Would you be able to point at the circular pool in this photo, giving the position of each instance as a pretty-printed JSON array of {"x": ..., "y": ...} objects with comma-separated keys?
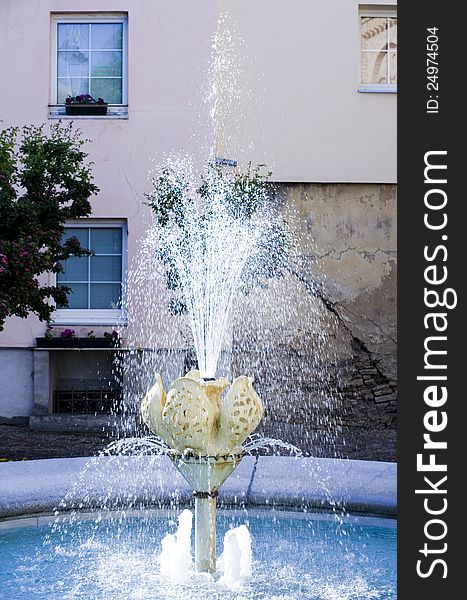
[{"x": 312, "y": 556}]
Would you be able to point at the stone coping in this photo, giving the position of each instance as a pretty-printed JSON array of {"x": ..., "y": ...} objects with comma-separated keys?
[
  {"x": 39, "y": 486},
  {"x": 157, "y": 513}
]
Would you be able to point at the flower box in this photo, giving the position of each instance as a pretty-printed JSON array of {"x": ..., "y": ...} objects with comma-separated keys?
[
  {"x": 86, "y": 109},
  {"x": 99, "y": 343},
  {"x": 57, "y": 342}
]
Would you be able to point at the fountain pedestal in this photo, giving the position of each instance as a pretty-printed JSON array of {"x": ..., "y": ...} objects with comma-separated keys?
[
  {"x": 205, "y": 532},
  {"x": 204, "y": 432},
  {"x": 205, "y": 474}
]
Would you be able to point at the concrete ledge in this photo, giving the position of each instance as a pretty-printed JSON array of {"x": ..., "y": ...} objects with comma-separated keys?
[
  {"x": 35, "y": 487},
  {"x": 357, "y": 485},
  {"x": 21, "y": 421}
]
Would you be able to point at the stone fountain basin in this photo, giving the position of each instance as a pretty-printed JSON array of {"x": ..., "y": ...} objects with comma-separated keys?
[{"x": 38, "y": 486}]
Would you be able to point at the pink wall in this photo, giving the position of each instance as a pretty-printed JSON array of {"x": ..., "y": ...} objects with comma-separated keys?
[
  {"x": 297, "y": 107},
  {"x": 169, "y": 44}
]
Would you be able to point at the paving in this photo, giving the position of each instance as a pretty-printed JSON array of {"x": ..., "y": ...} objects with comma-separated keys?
[{"x": 21, "y": 443}]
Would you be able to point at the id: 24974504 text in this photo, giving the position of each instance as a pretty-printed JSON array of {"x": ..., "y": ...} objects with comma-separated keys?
[{"x": 432, "y": 70}]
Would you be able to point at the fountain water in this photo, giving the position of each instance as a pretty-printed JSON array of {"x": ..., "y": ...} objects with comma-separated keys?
[
  {"x": 175, "y": 558},
  {"x": 207, "y": 236}
]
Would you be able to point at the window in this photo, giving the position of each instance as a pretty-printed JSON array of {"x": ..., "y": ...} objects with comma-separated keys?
[
  {"x": 96, "y": 281},
  {"x": 90, "y": 57},
  {"x": 378, "y": 39}
]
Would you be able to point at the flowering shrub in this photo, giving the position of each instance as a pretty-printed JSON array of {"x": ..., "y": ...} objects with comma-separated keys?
[
  {"x": 83, "y": 99},
  {"x": 44, "y": 181}
]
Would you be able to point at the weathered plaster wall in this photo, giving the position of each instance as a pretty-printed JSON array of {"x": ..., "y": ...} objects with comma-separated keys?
[
  {"x": 322, "y": 340},
  {"x": 348, "y": 231}
]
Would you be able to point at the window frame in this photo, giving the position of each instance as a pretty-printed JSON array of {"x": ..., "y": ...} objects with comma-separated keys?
[
  {"x": 114, "y": 110},
  {"x": 100, "y": 316},
  {"x": 389, "y": 11}
]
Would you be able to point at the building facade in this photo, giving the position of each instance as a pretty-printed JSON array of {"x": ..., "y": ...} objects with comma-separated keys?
[{"x": 309, "y": 90}]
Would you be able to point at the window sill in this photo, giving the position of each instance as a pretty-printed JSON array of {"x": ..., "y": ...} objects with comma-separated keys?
[
  {"x": 75, "y": 349},
  {"x": 57, "y": 111},
  {"x": 369, "y": 89},
  {"x": 88, "y": 317}
]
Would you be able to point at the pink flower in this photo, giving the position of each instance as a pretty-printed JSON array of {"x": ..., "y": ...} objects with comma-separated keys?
[{"x": 68, "y": 334}]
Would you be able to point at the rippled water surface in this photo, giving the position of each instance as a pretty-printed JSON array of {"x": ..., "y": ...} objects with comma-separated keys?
[{"x": 295, "y": 556}]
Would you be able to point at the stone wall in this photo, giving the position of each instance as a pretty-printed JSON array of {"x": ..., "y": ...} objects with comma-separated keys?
[{"x": 322, "y": 340}]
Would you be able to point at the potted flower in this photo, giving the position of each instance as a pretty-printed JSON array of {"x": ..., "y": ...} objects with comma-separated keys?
[
  {"x": 91, "y": 341},
  {"x": 109, "y": 340},
  {"x": 113, "y": 338},
  {"x": 67, "y": 339},
  {"x": 85, "y": 104}
]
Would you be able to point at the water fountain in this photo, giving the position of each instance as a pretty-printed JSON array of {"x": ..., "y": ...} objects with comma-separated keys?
[
  {"x": 204, "y": 432},
  {"x": 209, "y": 240},
  {"x": 206, "y": 237},
  {"x": 108, "y": 537}
]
